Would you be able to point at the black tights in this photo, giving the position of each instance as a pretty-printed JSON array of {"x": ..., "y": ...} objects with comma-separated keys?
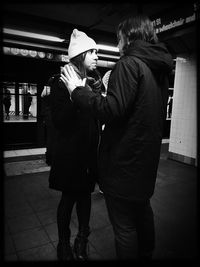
[{"x": 64, "y": 211}]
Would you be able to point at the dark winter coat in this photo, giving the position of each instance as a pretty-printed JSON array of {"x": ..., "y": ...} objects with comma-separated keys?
[
  {"x": 134, "y": 112},
  {"x": 74, "y": 152}
]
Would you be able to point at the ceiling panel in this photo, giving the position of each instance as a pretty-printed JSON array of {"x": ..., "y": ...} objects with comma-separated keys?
[
  {"x": 98, "y": 20},
  {"x": 99, "y": 16}
]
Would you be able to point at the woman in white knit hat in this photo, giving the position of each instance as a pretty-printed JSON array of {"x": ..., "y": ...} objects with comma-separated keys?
[{"x": 74, "y": 164}]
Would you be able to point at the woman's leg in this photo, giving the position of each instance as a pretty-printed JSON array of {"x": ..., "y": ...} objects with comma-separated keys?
[
  {"x": 63, "y": 221},
  {"x": 83, "y": 208}
]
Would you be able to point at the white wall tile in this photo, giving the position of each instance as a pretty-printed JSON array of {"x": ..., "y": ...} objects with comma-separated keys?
[{"x": 183, "y": 132}]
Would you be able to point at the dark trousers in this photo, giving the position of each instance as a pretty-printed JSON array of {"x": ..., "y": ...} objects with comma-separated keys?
[
  {"x": 128, "y": 219},
  {"x": 7, "y": 109},
  {"x": 64, "y": 211}
]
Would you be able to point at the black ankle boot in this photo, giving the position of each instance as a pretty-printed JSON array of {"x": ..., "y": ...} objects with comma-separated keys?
[
  {"x": 80, "y": 245},
  {"x": 64, "y": 251}
]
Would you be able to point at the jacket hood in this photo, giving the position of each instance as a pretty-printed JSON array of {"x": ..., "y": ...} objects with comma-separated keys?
[{"x": 156, "y": 56}]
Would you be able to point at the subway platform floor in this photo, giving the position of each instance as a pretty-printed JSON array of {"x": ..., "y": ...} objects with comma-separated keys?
[{"x": 30, "y": 230}]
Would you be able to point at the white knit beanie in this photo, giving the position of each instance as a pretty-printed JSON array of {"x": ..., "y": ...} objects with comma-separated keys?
[{"x": 79, "y": 43}]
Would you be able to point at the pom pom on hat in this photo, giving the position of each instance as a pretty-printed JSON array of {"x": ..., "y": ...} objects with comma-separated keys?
[{"x": 80, "y": 43}]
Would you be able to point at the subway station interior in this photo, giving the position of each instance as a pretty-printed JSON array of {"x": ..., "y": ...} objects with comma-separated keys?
[{"x": 35, "y": 38}]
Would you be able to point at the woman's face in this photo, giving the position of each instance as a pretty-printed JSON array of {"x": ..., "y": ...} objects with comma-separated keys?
[
  {"x": 90, "y": 61},
  {"x": 121, "y": 43}
]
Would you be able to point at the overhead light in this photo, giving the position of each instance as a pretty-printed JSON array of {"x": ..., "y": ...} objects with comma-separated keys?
[
  {"x": 108, "y": 56},
  {"x": 108, "y": 48},
  {"x": 38, "y": 45},
  {"x": 32, "y": 35},
  {"x": 53, "y": 38}
]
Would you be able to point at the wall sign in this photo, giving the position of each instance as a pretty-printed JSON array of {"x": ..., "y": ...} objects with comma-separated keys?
[
  {"x": 176, "y": 18},
  {"x": 34, "y": 54}
]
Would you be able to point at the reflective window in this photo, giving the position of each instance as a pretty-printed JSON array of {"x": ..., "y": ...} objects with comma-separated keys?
[{"x": 19, "y": 102}]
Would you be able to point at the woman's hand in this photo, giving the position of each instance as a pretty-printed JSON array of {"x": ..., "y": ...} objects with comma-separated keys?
[{"x": 70, "y": 78}]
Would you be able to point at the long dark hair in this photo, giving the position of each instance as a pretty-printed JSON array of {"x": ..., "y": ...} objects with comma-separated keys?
[
  {"x": 78, "y": 62},
  {"x": 135, "y": 28},
  {"x": 94, "y": 77}
]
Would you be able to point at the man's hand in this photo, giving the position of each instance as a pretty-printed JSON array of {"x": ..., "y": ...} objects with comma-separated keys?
[{"x": 70, "y": 78}]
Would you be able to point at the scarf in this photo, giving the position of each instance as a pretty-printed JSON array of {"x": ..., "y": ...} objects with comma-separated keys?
[{"x": 94, "y": 81}]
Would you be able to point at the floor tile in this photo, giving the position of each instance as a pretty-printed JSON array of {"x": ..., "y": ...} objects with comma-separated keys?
[
  {"x": 46, "y": 252},
  {"x": 30, "y": 239},
  {"x": 11, "y": 258},
  {"x": 47, "y": 217},
  {"x": 14, "y": 209},
  {"x": 28, "y": 197},
  {"x": 22, "y": 223},
  {"x": 9, "y": 247},
  {"x": 45, "y": 204},
  {"x": 22, "y": 167},
  {"x": 99, "y": 216},
  {"x": 103, "y": 240},
  {"x": 52, "y": 231}
]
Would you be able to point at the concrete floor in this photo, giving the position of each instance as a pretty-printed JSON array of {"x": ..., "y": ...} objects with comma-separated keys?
[{"x": 30, "y": 214}]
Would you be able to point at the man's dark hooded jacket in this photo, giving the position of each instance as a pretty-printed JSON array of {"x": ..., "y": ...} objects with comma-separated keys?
[{"x": 134, "y": 112}]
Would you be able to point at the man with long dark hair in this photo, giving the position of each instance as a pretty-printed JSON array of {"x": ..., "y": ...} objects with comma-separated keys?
[{"x": 134, "y": 111}]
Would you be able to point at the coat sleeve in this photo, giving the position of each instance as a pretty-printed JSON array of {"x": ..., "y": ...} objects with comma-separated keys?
[
  {"x": 63, "y": 111},
  {"x": 122, "y": 90}
]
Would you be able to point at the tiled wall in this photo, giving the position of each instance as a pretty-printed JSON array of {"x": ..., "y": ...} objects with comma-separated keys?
[{"x": 183, "y": 132}]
